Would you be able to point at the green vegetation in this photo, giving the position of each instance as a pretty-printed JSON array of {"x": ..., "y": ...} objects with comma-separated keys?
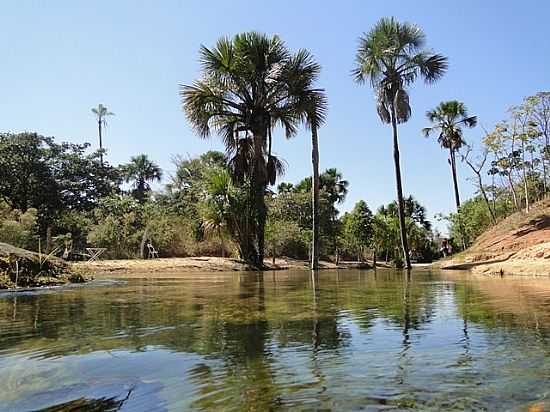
[
  {"x": 511, "y": 171},
  {"x": 63, "y": 197},
  {"x": 250, "y": 84}
]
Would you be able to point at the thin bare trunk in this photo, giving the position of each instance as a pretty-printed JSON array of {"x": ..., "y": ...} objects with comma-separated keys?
[
  {"x": 100, "y": 140},
  {"x": 525, "y": 185},
  {"x": 315, "y": 198},
  {"x": 455, "y": 180},
  {"x": 404, "y": 242}
]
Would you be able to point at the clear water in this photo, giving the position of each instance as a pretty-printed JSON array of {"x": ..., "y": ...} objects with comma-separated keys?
[{"x": 348, "y": 340}]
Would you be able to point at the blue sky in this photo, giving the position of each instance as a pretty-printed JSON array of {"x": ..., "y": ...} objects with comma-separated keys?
[{"x": 60, "y": 58}]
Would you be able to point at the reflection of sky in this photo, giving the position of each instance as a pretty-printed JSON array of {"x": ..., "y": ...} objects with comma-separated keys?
[{"x": 157, "y": 378}]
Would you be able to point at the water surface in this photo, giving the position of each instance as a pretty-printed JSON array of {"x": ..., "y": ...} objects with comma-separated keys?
[{"x": 348, "y": 340}]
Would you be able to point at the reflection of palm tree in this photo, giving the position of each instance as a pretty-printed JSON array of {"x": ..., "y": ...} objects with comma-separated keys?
[{"x": 406, "y": 327}]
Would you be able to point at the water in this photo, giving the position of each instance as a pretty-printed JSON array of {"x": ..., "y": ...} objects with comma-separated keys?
[{"x": 348, "y": 340}]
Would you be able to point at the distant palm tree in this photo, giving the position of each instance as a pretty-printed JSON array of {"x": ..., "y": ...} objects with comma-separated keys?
[
  {"x": 141, "y": 171},
  {"x": 250, "y": 84},
  {"x": 392, "y": 57},
  {"x": 101, "y": 112},
  {"x": 448, "y": 119}
]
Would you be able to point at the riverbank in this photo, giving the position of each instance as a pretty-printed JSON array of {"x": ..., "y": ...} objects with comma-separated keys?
[
  {"x": 23, "y": 268},
  {"x": 519, "y": 245},
  {"x": 198, "y": 264}
]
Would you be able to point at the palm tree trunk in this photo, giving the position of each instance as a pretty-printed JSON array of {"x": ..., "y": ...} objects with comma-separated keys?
[
  {"x": 100, "y": 141},
  {"x": 258, "y": 186},
  {"x": 455, "y": 180},
  {"x": 404, "y": 242},
  {"x": 315, "y": 198},
  {"x": 457, "y": 195}
]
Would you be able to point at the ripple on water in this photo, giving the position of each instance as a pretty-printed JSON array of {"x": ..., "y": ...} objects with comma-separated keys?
[{"x": 345, "y": 341}]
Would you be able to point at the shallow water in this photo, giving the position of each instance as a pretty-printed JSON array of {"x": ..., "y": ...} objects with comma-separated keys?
[{"x": 348, "y": 340}]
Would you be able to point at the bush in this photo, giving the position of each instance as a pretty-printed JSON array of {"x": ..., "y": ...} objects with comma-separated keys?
[{"x": 18, "y": 229}]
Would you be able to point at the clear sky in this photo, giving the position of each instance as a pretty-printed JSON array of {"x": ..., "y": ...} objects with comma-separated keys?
[{"x": 60, "y": 58}]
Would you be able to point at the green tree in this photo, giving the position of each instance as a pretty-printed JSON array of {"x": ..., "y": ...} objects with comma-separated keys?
[
  {"x": 17, "y": 228},
  {"x": 141, "y": 171},
  {"x": 538, "y": 108},
  {"x": 250, "y": 84},
  {"x": 392, "y": 57},
  {"x": 36, "y": 172},
  {"x": 448, "y": 119},
  {"x": 335, "y": 188},
  {"x": 101, "y": 113},
  {"x": 283, "y": 237},
  {"x": 358, "y": 228}
]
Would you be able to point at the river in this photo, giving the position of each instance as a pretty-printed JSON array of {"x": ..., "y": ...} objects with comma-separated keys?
[{"x": 342, "y": 340}]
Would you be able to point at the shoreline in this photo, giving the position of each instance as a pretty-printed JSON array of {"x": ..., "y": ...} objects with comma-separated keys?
[{"x": 200, "y": 264}]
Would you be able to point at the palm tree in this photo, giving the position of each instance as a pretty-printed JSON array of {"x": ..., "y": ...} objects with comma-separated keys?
[
  {"x": 101, "y": 112},
  {"x": 141, "y": 171},
  {"x": 392, "y": 57},
  {"x": 250, "y": 84},
  {"x": 448, "y": 119},
  {"x": 315, "y": 117}
]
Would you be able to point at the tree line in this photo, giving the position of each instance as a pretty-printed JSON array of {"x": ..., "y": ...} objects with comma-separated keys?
[{"x": 253, "y": 88}]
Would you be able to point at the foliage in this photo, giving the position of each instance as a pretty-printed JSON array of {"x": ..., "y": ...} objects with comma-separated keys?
[
  {"x": 285, "y": 238},
  {"x": 358, "y": 229},
  {"x": 35, "y": 172},
  {"x": 118, "y": 226},
  {"x": 17, "y": 228},
  {"x": 140, "y": 171},
  {"x": 251, "y": 84}
]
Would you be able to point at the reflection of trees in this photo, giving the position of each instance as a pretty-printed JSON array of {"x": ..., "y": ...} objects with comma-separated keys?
[
  {"x": 245, "y": 326},
  {"x": 245, "y": 379},
  {"x": 494, "y": 304}
]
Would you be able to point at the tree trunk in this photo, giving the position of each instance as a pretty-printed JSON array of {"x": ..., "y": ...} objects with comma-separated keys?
[
  {"x": 143, "y": 242},
  {"x": 544, "y": 151},
  {"x": 315, "y": 198},
  {"x": 100, "y": 141},
  {"x": 258, "y": 187},
  {"x": 404, "y": 242},
  {"x": 513, "y": 191},
  {"x": 455, "y": 180},
  {"x": 457, "y": 195},
  {"x": 48, "y": 239},
  {"x": 485, "y": 198},
  {"x": 525, "y": 185}
]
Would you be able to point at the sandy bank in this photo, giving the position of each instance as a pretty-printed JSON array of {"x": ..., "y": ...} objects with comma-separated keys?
[{"x": 195, "y": 264}]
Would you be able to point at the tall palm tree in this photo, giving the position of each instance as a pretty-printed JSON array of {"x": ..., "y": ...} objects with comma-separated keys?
[
  {"x": 101, "y": 112},
  {"x": 314, "y": 118},
  {"x": 141, "y": 171},
  {"x": 250, "y": 84},
  {"x": 392, "y": 57},
  {"x": 448, "y": 118}
]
